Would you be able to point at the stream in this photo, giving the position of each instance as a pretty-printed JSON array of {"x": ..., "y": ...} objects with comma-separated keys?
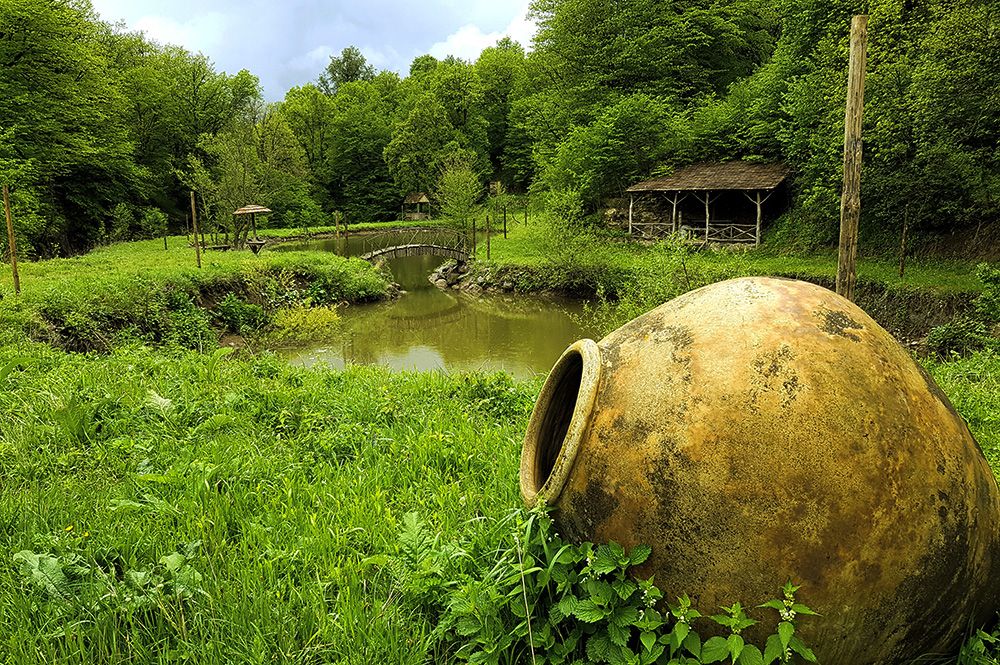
[{"x": 428, "y": 329}]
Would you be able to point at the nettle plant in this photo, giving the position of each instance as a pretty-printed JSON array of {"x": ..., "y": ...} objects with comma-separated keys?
[{"x": 548, "y": 601}]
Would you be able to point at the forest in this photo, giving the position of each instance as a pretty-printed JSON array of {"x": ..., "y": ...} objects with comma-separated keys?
[{"x": 103, "y": 131}]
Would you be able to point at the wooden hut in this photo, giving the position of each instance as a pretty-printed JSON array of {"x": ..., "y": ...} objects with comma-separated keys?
[
  {"x": 416, "y": 206},
  {"x": 709, "y": 201}
]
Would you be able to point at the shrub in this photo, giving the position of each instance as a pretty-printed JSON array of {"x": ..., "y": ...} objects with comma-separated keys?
[
  {"x": 302, "y": 325},
  {"x": 976, "y": 330},
  {"x": 153, "y": 223},
  {"x": 240, "y": 317}
]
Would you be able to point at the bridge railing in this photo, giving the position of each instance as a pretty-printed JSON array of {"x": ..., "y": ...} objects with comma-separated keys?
[{"x": 442, "y": 237}]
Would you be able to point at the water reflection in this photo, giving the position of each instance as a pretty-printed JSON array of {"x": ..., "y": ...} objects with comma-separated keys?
[{"x": 432, "y": 329}]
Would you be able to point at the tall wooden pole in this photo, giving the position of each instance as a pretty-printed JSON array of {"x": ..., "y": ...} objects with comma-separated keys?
[
  {"x": 194, "y": 225},
  {"x": 11, "y": 243},
  {"x": 631, "y": 202},
  {"x": 488, "y": 233},
  {"x": 850, "y": 200},
  {"x": 505, "y": 222}
]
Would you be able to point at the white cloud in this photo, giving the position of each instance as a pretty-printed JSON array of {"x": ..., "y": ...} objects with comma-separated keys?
[
  {"x": 315, "y": 59},
  {"x": 469, "y": 41},
  {"x": 198, "y": 33}
]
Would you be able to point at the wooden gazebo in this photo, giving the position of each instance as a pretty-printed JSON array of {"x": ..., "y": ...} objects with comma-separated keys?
[
  {"x": 706, "y": 183},
  {"x": 253, "y": 210},
  {"x": 416, "y": 206}
]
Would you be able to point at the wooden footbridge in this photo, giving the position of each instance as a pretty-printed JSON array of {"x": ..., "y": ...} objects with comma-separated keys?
[{"x": 438, "y": 242}]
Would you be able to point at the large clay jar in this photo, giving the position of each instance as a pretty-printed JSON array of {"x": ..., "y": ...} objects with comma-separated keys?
[{"x": 763, "y": 430}]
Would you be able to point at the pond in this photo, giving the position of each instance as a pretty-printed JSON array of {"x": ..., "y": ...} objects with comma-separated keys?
[{"x": 429, "y": 329}]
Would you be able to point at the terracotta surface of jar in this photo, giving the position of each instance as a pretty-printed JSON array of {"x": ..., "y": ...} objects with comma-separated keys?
[{"x": 763, "y": 430}]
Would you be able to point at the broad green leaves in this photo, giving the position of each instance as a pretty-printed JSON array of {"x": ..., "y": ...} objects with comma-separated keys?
[{"x": 566, "y": 602}]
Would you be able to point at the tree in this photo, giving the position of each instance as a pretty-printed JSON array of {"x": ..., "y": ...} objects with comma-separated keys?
[
  {"x": 420, "y": 144},
  {"x": 361, "y": 184},
  {"x": 459, "y": 190},
  {"x": 256, "y": 161},
  {"x": 500, "y": 71},
  {"x": 63, "y": 114},
  {"x": 626, "y": 143},
  {"x": 348, "y": 67}
]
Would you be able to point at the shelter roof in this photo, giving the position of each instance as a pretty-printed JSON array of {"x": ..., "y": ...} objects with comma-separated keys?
[
  {"x": 416, "y": 197},
  {"x": 717, "y": 176},
  {"x": 252, "y": 210}
]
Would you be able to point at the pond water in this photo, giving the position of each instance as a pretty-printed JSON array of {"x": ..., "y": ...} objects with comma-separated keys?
[{"x": 430, "y": 329}]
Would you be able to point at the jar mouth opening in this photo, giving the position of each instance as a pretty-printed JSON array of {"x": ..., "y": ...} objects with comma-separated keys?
[{"x": 559, "y": 421}]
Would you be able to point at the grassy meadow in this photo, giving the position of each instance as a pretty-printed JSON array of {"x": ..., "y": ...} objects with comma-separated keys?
[{"x": 169, "y": 506}]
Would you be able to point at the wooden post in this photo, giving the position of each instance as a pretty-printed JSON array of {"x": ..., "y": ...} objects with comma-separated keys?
[
  {"x": 527, "y": 204},
  {"x": 756, "y": 242},
  {"x": 505, "y": 222},
  {"x": 194, "y": 224},
  {"x": 850, "y": 200},
  {"x": 631, "y": 202},
  {"x": 473, "y": 237},
  {"x": 902, "y": 242},
  {"x": 673, "y": 213},
  {"x": 164, "y": 242},
  {"x": 707, "y": 215},
  {"x": 488, "y": 231},
  {"x": 11, "y": 242}
]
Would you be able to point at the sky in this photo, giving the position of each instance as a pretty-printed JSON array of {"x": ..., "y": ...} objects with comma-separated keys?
[{"x": 289, "y": 43}]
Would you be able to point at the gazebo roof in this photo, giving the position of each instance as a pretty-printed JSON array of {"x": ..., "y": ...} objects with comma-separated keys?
[
  {"x": 716, "y": 177},
  {"x": 416, "y": 197},
  {"x": 252, "y": 210}
]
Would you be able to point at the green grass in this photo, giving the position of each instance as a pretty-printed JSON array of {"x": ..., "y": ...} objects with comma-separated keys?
[
  {"x": 973, "y": 385},
  {"x": 179, "y": 506},
  {"x": 273, "y": 484},
  {"x": 83, "y": 302},
  {"x": 532, "y": 246}
]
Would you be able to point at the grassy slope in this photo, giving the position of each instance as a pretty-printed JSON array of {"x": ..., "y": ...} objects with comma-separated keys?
[
  {"x": 527, "y": 246},
  {"x": 130, "y": 284},
  {"x": 289, "y": 479}
]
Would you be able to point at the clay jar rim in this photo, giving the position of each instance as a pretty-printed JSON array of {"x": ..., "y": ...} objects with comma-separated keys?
[{"x": 547, "y": 422}]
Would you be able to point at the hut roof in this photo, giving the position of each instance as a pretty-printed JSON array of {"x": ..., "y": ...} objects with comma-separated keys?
[
  {"x": 252, "y": 210},
  {"x": 416, "y": 197},
  {"x": 718, "y": 176}
]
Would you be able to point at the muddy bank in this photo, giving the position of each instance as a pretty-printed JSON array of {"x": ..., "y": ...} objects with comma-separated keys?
[{"x": 908, "y": 313}]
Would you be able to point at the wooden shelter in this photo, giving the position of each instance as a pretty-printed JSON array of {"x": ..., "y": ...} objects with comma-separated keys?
[
  {"x": 706, "y": 184},
  {"x": 253, "y": 211},
  {"x": 416, "y": 206}
]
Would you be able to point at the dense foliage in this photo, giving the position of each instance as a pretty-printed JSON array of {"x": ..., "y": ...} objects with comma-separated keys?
[{"x": 100, "y": 127}]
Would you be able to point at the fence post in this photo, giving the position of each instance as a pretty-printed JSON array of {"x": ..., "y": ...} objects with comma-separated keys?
[
  {"x": 194, "y": 225},
  {"x": 11, "y": 242}
]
